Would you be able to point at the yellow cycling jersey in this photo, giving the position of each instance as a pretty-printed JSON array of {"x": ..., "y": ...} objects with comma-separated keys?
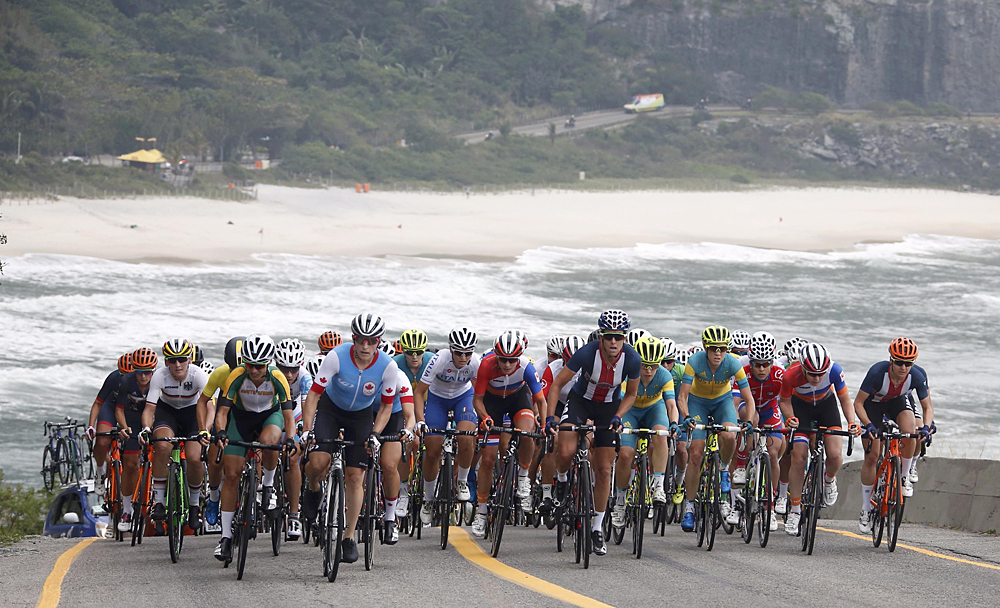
[
  {"x": 708, "y": 385},
  {"x": 216, "y": 381},
  {"x": 660, "y": 388}
]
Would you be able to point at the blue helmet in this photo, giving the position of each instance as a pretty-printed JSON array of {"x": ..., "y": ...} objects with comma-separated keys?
[{"x": 614, "y": 320}]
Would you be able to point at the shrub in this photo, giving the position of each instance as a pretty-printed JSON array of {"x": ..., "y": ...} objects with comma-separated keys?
[
  {"x": 906, "y": 108},
  {"x": 845, "y": 133},
  {"x": 22, "y": 511},
  {"x": 700, "y": 116},
  {"x": 881, "y": 109},
  {"x": 773, "y": 98},
  {"x": 943, "y": 109},
  {"x": 814, "y": 103},
  {"x": 234, "y": 171},
  {"x": 739, "y": 179}
]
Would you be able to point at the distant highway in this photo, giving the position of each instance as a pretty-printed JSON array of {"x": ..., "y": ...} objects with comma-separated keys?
[{"x": 591, "y": 120}]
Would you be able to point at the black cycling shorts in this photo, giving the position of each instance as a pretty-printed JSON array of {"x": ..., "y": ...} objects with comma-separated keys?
[
  {"x": 134, "y": 421},
  {"x": 182, "y": 422},
  {"x": 879, "y": 411},
  {"x": 356, "y": 426},
  {"x": 822, "y": 413},
  {"x": 579, "y": 410},
  {"x": 498, "y": 407},
  {"x": 396, "y": 423}
]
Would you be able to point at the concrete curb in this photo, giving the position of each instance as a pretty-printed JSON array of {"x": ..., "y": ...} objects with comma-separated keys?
[{"x": 952, "y": 492}]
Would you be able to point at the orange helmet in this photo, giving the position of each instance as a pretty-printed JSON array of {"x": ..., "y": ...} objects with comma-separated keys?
[
  {"x": 125, "y": 363},
  {"x": 328, "y": 341},
  {"x": 903, "y": 349},
  {"x": 144, "y": 359},
  {"x": 398, "y": 346}
]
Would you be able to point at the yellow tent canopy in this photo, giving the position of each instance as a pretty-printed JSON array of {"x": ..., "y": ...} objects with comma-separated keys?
[{"x": 152, "y": 157}]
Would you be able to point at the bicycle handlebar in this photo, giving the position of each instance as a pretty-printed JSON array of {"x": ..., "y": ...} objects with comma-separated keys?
[
  {"x": 828, "y": 431},
  {"x": 112, "y": 433},
  {"x": 449, "y": 432},
  {"x": 631, "y": 431},
  {"x": 515, "y": 431},
  {"x": 578, "y": 428},
  {"x": 717, "y": 428}
]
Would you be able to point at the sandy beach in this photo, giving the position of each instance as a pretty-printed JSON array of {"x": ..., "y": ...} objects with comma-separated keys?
[{"x": 341, "y": 222}]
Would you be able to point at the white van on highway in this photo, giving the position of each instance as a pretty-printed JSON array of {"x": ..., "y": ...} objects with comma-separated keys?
[{"x": 644, "y": 103}]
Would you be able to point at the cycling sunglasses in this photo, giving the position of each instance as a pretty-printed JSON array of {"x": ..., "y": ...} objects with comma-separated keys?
[
  {"x": 508, "y": 359},
  {"x": 902, "y": 363},
  {"x": 366, "y": 340},
  {"x": 176, "y": 359},
  {"x": 613, "y": 337},
  {"x": 416, "y": 353}
]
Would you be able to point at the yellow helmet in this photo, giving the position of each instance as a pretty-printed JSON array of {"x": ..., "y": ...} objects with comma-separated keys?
[
  {"x": 650, "y": 350},
  {"x": 413, "y": 339},
  {"x": 715, "y": 335}
]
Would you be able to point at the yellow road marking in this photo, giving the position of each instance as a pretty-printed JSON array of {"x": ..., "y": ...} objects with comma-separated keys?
[
  {"x": 53, "y": 583},
  {"x": 917, "y": 549},
  {"x": 471, "y": 551}
]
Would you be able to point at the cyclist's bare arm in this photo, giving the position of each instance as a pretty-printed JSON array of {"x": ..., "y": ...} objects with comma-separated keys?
[
  {"x": 682, "y": 399},
  {"x": 859, "y": 407},
  {"x": 631, "y": 390},
  {"x": 564, "y": 376}
]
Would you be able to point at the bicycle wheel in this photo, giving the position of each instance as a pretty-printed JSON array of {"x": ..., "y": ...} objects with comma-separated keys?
[
  {"x": 175, "y": 523},
  {"x": 807, "y": 505},
  {"x": 140, "y": 507},
  {"x": 115, "y": 480},
  {"x": 368, "y": 521},
  {"x": 49, "y": 468},
  {"x": 642, "y": 507},
  {"x": 585, "y": 481},
  {"x": 713, "y": 511},
  {"x": 748, "y": 512},
  {"x": 61, "y": 461},
  {"x": 816, "y": 502},
  {"x": 764, "y": 500},
  {"x": 248, "y": 517},
  {"x": 502, "y": 506},
  {"x": 701, "y": 518},
  {"x": 895, "y": 512},
  {"x": 278, "y": 517},
  {"x": 446, "y": 497}
]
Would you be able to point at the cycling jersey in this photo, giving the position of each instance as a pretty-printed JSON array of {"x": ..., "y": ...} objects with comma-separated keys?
[
  {"x": 880, "y": 388},
  {"x": 353, "y": 389},
  {"x": 660, "y": 388},
  {"x": 404, "y": 394},
  {"x": 300, "y": 388},
  {"x": 413, "y": 378},
  {"x": 599, "y": 380},
  {"x": 445, "y": 379},
  {"x": 677, "y": 371},
  {"x": 490, "y": 379},
  {"x": 178, "y": 394},
  {"x": 130, "y": 397},
  {"x": 712, "y": 385},
  {"x": 216, "y": 380},
  {"x": 794, "y": 383},
  {"x": 765, "y": 392},
  {"x": 109, "y": 390},
  {"x": 272, "y": 394},
  {"x": 551, "y": 371}
]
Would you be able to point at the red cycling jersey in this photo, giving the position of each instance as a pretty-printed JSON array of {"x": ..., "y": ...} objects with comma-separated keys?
[{"x": 767, "y": 391}]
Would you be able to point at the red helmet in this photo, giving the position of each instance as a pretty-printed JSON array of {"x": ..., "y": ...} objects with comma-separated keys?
[
  {"x": 903, "y": 349},
  {"x": 144, "y": 359},
  {"x": 125, "y": 363},
  {"x": 329, "y": 340}
]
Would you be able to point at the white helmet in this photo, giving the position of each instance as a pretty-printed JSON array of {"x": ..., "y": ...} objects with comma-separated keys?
[
  {"x": 815, "y": 359},
  {"x": 739, "y": 340},
  {"x": 633, "y": 336},
  {"x": 669, "y": 349},
  {"x": 555, "y": 345},
  {"x": 682, "y": 357},
  {"x": 207, "y": 366},
  {"x": 762, "y": 346},
  {"x": 368, "y": 325},
  {"x": 387, "y": 347},
  {"x": 695, "y": 349},
  {"x": 792, "y": 348},
  {"x": 290, "y": 353},
  {"x": 257, "y": 348},
  {"x": 312, "y": 365},
  {"x": 571, "y": 345},
  {"x": 462, "y": 339}
]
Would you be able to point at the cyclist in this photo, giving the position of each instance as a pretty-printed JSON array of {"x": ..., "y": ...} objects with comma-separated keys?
[
  {"x": 883, "y": 396},
  {"x": 548, "y": 463},
  {"x": 790, "y": 352},
  {"x": 348, "y": 382},
  {"x": 634, "y": 335},
  {"x": 506, "y": 386},
  {"x": 171, "y": 411},
  {"x": 739, "y": 345},
  {"x": 412, "y": 362},
  {"x": 706, "y": 390},
  {"x": 206, "y": 420},
  {"x": 129, "y": 403},
  {"x": 401, "y": 423},
  {"x": 329, "y": 340},
  {"x": 765, "y": 383},
  {"x": 290, "y": 357},
  {"x": 654, "y": 408},
  {"x": 553, "y": 350},
  {"x": 102, "y": 416},
  {"x": 810, "y": 390},
  {"x": 447, "y": 381},
  {"x": 675, "y": 365},
  {"x": 255, "y": 405},
  {"x": 604, "y": 365}
]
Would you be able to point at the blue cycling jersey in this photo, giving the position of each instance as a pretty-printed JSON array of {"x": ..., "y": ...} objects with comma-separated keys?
[{"x": 354, "y": 389}]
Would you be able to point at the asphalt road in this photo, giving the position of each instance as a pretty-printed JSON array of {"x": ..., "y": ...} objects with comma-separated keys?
[
  {"x": 844, "y": 570},
  {"x": 590, "y": 120}
]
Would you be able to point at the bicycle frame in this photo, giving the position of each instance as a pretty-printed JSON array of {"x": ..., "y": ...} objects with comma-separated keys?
[
  {"x": 639, "y": 497},
  {"x": 887, "y": 496},
  {"x": 709, "y": 495},
  {"x": 812, "y": 488}
]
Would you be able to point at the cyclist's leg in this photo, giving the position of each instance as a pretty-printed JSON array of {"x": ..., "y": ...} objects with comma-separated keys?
[
  {"x": 130, "y": 459},
  {"x": 800, "y": 454},
  {"x": 828, "y": 415},
  {"x": 869, "y": 470},
  {"x": 602, "y": 457},
  {"x": 698, "y": 410},
  {"x": 436, "y": 417},
  {"x": 392, "y": 452},
  {"x": 357, "y": 427},
  {"x": 232, "y": 460},
  {"x": 270, "y": 433},
  {"x": 187, "y": 421},
  {"x": 164, "y": 425},
  {"x": 623, "y": 467},
  {"x": 656, "y": 419},
  {"x": 724, "y": 413},
  {"x": 775, "y": 441},
  {"x": 465, "y": 420},
  {"x": 105, "y": 422}
]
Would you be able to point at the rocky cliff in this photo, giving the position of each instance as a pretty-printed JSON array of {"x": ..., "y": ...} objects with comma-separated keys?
[{"x": 853, "y": 51}]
